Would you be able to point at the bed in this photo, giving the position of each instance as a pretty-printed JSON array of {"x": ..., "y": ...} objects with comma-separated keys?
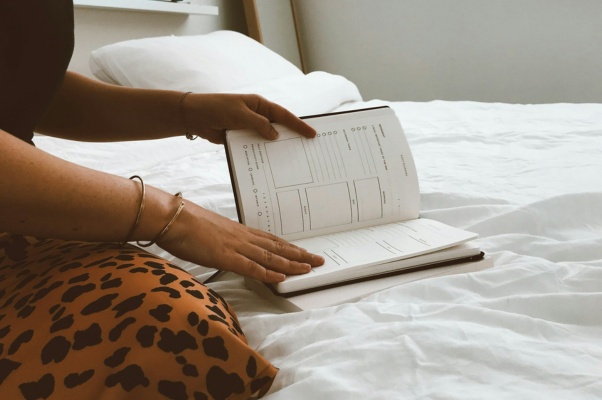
[{"x": 526, "y": 178}]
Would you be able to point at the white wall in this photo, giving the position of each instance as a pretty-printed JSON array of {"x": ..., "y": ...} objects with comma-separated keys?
[
  {"x": 523, "y": 51},
  {"x": 96, "y": 28},
  {"x": 278, "y": 28}
]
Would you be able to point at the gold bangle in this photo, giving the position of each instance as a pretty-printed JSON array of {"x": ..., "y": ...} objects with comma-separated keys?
[
  {"x": 140, "y": 209},
  {"x": 173, "y": 219},
  {"x": 189, "y": 135}
]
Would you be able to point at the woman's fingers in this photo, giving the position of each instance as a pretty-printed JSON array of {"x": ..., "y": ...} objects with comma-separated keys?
[
  {"x": 275, "y": 262},
  {"x": 278, "y": 245},
  {"x": 267, "y": 235},
  {"x": 287, "y": 251},
  {"x": 282, "y": 116},
  {"x": 273, "y": 112},
  {"x": 260, "y": 124},
  {"x": 247, "y": 267}
]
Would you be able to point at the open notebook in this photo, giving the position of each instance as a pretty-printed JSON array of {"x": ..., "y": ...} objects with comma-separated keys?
[
  {"x": 353, "y": 291},
  {"x": 351, "y": 195}
]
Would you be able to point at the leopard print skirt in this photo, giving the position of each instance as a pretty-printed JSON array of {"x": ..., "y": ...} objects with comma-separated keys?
[{"x": 98, "y": 321}]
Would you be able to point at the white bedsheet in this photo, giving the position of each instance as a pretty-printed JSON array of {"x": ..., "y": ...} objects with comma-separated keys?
[{"x": 527, "y": 178}]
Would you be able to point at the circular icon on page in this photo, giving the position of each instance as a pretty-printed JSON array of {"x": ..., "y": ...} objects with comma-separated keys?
[
  {"x": 245, "y": 146},
  {"x": 254, "y": 190},
  {"x": 259, "y": 213}
]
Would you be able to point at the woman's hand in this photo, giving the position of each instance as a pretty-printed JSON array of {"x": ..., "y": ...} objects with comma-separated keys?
[
  {"x": 208, "y": 115},
  {"x": 210, "y": 240}
]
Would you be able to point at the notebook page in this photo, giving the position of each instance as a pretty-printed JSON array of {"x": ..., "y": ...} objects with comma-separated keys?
[
  {"x": 367, "y": 247},
  {"x": 357, "y": 172}
]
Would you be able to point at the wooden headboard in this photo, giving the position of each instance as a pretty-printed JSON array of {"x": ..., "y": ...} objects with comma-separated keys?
[{"x": 96, "y": 27}]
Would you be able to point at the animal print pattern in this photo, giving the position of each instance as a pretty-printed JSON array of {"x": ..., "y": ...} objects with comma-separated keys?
[{"x": 95, "y": 320}]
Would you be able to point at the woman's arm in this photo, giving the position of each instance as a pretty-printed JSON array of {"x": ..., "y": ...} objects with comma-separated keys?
[
  {"x": 44, "y": 196},
  {"x": 88, "y": 110}
]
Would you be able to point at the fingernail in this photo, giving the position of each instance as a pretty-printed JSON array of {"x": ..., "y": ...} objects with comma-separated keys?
[
  {"x": 318, "y": 259},
  {"x": 305, "y": 267},
  {"x": 275, "y": 134},
  {"x": 281, "y": 277}
]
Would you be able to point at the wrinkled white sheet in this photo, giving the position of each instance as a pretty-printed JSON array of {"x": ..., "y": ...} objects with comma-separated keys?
[{"x": 527, "y": 178}]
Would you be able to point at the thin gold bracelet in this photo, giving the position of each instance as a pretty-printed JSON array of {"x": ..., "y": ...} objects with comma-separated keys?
[
  {"x": 179, "y": 194},
  {"x": 140, "y": 209},
  {"x": 189, "y": 135}
]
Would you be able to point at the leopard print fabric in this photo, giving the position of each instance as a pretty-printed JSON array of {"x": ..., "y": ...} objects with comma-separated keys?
[{"x": 98, "y": 321}]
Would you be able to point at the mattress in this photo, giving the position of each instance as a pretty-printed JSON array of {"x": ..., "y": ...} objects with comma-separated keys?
[{"x": 527, "y": 178}]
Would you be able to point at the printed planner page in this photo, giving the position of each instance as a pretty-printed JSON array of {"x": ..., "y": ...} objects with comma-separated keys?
[
  {"x": 357, "y": 172},
  {"x": 360, "y": 250}
]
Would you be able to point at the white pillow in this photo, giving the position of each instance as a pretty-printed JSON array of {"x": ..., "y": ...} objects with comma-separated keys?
[
  {"x": 315, "y": 93},
  {"x": 216, "y": 62}
]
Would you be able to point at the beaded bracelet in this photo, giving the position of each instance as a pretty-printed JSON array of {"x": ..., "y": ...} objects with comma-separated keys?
[{"x": 173, "y": 219}]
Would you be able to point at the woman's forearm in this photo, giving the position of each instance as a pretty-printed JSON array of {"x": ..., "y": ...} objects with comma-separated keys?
[
  {"x": 45, "y": 196},
  {"x": 88, "y": 110}
]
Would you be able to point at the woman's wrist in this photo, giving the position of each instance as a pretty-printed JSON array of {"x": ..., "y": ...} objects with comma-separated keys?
[{"x": 158, "y": 211}]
